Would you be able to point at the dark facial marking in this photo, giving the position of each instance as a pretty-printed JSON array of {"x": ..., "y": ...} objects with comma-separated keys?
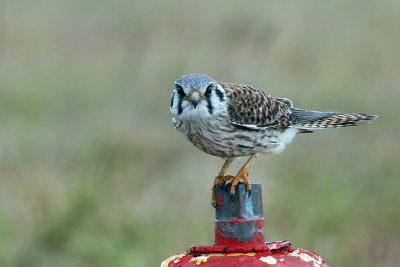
[
  {"x": 220, "y": 95},
  {"x": 209, "y": 90},
  {"x": 180, "y": 105},
  {"x": 207, "y": 94},
  {"x": 172, "y": 99},
  {"x": 179, "y": 89},
  {"x": 181, "y": 95},
  {"x": 209, "y": 106}
]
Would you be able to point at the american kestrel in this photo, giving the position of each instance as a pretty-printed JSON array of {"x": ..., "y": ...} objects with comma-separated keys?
[{"x": 230, "y": 120}]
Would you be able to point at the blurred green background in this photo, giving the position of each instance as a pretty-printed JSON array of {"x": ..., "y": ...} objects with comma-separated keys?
[{"x": 92, "y": 172}]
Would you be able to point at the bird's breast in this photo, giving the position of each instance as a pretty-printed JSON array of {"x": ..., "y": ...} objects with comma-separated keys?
[{"x": 220, "y": 138}]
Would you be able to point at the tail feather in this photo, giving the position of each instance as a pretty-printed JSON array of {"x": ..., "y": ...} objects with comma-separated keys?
[
  {"x": 310, "y": 119},
  {"x": 302, "y": 116}
]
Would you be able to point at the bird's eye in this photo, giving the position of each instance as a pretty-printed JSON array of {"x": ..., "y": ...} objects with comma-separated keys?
[
  {"x": 179, "y": 89},
  {"x": 209, "y": 89}
]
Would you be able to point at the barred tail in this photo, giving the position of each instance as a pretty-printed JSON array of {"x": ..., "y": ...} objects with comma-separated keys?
[{"x": 336, "y": 120}]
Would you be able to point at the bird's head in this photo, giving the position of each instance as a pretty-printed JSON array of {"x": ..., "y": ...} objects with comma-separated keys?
[{"x": 197, "y": 97}]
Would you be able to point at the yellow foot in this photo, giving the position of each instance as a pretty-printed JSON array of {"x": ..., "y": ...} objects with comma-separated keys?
[
  {"x": 241, "y": 176},
  {"x": 219, "y": 180}
]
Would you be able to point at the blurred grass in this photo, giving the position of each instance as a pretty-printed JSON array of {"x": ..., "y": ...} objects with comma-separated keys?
[{"x": 92, "y": 172}]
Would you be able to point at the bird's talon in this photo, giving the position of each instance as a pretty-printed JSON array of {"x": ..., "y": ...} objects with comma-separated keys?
[
  {"x": 214, "y": 205},
  {"x": 233, "y": 189},
  {"x": 219, "y": 180},
  {"x": 249, "y": 193}
]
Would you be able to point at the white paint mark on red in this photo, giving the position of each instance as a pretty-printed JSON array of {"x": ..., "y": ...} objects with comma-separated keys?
[
  {"x": 307, "y": 256},
  {"x": 268, "y": 259},
  {"x": 273, "y": 246},
  {"x": 175, "y": 258},
  {"x": 200, "y": 259}
]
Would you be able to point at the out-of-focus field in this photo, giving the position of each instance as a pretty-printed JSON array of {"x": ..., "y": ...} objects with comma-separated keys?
[{"x": 92, "y": 172}]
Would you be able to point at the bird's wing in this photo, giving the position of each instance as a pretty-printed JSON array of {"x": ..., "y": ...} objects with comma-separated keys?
[{"x": 254, "y": 109}]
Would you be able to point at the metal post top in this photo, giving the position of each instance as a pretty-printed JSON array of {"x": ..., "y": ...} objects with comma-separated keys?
[
  {"x": 239, "y": 218},
  {"x": 243, "y": 204}
]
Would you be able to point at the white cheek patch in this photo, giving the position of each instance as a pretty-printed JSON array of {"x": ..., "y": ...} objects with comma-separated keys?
[{"x": 191, "y": 113}]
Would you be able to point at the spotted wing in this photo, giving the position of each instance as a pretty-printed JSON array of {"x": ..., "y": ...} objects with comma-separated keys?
[{"x": 254, "y": 109}]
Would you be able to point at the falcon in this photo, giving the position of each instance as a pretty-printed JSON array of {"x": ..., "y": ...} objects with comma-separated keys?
[{"x": 231, "y": 120}]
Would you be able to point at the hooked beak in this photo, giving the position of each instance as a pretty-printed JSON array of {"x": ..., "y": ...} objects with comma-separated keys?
[{"x": 194, "y": 97}]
